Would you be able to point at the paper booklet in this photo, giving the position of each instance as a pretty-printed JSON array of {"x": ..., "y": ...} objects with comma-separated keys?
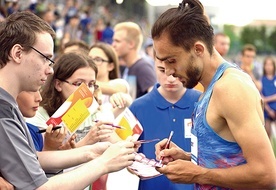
[
  {"x": 130, "y": 124},
  {"x": 144, "y": 168},
  {"x": 75, "y": 110}
]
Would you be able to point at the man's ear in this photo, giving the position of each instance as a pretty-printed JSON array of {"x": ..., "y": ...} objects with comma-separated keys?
[
  {"x": 199, "y": 48},
  {"x": 16, "y": 53},
  {"x": 131, "y": 44}
]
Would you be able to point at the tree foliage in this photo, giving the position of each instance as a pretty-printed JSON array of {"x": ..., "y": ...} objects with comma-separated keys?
[{"x": 259, "y": 36}]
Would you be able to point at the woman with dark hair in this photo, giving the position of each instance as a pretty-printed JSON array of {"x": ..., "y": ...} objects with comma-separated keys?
[
  {"x": 70, "y": 71},
  {"x": 268, "y": 91}
]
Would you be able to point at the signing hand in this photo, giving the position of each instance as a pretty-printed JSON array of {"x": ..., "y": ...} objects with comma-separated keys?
[
  {"x": 173, "y": 152},
  {"x": 181, "y": 171}
]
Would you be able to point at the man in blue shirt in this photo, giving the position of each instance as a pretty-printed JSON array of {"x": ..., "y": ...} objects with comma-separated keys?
[{"x": 168, "y": 107}]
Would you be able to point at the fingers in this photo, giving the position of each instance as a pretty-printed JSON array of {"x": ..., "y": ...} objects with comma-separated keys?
[
  {"x": 118, "y": 100},
  {"x": 119, "y": 155},
  {"x": 159, "y": 147},
  {"x": 103, "y": 132},
  {"x": 57, "y": 132}
]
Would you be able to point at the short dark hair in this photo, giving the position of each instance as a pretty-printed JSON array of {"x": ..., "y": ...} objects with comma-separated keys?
[
  {"x": 248, "y": 47},
  {"x": 185, "y": 25},
  {"x": 83, "y": 46},
  {"x": 20, "y": 28}
]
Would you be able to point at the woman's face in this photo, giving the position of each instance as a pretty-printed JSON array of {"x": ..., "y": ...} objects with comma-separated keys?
[
  {"x": 102, "y": 62},
  {"x": 269, "y": 67},
  {"x": 86, "y": 75}
]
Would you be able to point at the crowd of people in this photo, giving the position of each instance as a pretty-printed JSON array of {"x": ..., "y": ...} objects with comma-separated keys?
[{"x": 216, "y": 129}]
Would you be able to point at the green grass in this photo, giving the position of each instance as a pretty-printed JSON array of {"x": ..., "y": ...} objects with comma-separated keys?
[{"x": 273, "y": 142}]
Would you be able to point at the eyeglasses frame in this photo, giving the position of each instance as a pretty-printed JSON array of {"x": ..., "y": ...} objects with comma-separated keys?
[
  {"x": 95, "y": 86},
  {"x": 52, "y": 62}
]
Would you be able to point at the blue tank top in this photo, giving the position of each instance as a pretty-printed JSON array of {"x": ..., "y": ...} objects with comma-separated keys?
[{"x": 209, "y": 150}]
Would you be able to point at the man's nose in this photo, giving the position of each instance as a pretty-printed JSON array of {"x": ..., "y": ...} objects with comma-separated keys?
[{"x": 169, "y": 71}]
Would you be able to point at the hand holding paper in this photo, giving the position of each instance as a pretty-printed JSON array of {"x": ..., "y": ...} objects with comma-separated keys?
[
  {"x": 131, "y": 125},
  {"x": 144, "y": 168}
]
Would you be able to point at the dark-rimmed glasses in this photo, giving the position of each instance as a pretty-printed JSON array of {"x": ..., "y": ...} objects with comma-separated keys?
[
  {"x": 91, "y": 85},
  {"x": 99, "y": 60},
  {"x": 47, "y": 58}
]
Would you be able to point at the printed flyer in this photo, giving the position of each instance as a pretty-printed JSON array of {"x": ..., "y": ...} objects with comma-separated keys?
[
  {"x": 75, "y": 110},
  {"x": 132, "y": 126}
]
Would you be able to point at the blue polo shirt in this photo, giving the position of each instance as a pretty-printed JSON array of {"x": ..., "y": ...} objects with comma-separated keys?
[
  {"x": 37, "y": 137},
  {"x": 158, "y": 117}
]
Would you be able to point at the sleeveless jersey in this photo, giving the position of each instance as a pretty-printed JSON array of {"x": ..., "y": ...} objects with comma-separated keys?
[{"x": 209, "y": 150}]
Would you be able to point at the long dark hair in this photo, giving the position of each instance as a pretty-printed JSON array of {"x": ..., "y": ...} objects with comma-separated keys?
[
  {"x": 265, "y": 62},
  {"x": 64, "y": 68}
]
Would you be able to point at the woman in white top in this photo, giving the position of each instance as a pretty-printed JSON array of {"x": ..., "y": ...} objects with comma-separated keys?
[{"x": 115, "y": 91}]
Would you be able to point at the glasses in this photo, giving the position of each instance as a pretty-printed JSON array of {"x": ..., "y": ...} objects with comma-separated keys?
[
  {"x": 99, "y": 60},
  {"x": 91, "y": 85},
  {"x": 47, "y": 58}
]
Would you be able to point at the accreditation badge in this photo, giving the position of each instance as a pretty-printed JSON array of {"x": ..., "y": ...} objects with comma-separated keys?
[{"x": 187, "y": 127}]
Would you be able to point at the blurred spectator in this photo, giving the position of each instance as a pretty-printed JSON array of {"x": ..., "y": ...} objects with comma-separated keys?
[
  {"x": 107, "y": 34},
  {"x": 222, "y": 43},
  {"x": 268, "y": 91},
  {"x": 70, "y": 10},
  {"x": 148, "y": 50},
  {"x": 127, "y": 41},
  {"x": 71, "y": 30},
  {"x": 78, "y": 46},
  {"x": 98, "y": 32},
  {"x": 50, "y": 17},
  {"x": 249, "y": 65},
  {"x": 3, "y": 13},
  {"x": 86, "y": 27},
  {"x": 13, "y": 7}
]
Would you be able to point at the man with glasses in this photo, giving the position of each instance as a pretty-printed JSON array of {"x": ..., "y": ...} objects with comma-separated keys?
[{"x": 26, "y": 44}]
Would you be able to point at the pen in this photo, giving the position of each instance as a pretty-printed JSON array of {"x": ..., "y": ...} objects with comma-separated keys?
[
  {"x": 167, "y": 145},
  {"x": 112, "y": 125},
  {"x": 147, "y": 141},
  {"x": 44, "y": 130},
  {"x": 116, "y": 126}
]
